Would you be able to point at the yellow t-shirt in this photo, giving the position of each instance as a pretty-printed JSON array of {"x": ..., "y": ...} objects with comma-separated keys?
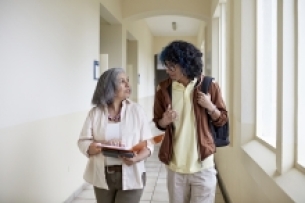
[{"x": 185, "y": 157}]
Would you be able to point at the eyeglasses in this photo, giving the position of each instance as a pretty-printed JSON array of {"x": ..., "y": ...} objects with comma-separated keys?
[{"x": 170, "y": 67}]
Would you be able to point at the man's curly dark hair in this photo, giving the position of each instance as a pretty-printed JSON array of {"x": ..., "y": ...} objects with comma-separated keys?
[{"x": 186, "y": 55}]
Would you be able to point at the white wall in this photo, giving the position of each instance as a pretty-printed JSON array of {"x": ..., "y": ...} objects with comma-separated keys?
[
  {"x": 46, "y": 84},
  {"x": 112, "y": 42},
  {"x": 140, "y": 31},
  {"x": 132, "y": 67},
  {"x": 201, "y": 35},
  {"x": 142, "y": 34}
]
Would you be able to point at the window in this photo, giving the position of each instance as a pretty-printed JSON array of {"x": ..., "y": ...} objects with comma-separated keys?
[
  {"x": 266, "y": 70},
  {"x": 222, "y": 49},
  {"x": 301, "y": 83}
]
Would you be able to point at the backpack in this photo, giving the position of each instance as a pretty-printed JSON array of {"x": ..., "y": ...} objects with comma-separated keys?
[{"x": 220, "y": 133}]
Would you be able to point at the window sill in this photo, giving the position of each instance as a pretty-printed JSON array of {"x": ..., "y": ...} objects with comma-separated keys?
[{"x": 260, "y": 162}]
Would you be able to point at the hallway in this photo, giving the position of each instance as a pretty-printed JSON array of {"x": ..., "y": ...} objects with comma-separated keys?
[
  {"x": 155, "y": 190},
  {"x": 52, "y": 53}
]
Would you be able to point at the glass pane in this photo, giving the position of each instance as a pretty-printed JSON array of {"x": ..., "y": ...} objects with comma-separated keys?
[
  {"x": 301, "y": 83},
  {"x": 266, "y": 70}
]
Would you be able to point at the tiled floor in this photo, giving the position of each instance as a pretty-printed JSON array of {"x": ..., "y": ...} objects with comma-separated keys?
[{"x": 155, "y": 190}]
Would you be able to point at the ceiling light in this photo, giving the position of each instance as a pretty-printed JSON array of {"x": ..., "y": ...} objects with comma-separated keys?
[{"x": 174, "y": 25}]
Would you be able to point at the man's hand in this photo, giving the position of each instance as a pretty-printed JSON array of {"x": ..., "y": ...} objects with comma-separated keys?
[
  {"x": 204, "y": 100},
  {"x": 169, "y": 116}
]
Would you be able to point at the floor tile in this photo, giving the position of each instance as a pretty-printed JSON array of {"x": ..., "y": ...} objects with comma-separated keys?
[
  {"x": 152, "y": 174},
  {"x": 161, "y": 190},
  {"x": 149, "y": 187},
  {"x": 146, "y": 196},
  {"x": 158, "y": 197}
]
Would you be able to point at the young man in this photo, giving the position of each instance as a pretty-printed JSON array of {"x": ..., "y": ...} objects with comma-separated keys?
[{"x": 181, "y": 110}]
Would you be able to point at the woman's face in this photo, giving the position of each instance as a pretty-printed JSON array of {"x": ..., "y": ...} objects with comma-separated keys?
[{"x": 124, "y": 89}]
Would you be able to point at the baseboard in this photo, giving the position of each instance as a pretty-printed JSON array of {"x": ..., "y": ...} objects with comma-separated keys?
[
  {"x": 76, "y": 193},
  {"x": 223, "y": 188}
]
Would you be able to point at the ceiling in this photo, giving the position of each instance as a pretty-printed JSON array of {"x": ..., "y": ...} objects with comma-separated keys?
[{"x": 162, "y": 25}]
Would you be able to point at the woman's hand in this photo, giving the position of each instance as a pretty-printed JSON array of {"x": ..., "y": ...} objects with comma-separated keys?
[
  {"x": 130, "y": 161},
  {"x": 114, "y": 142},
  {"x": 143, "y": 154},
  {"x": 94, "y": 148}
]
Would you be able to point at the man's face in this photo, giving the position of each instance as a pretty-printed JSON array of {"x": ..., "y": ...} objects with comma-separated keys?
[{"x": 174, "y": 71}]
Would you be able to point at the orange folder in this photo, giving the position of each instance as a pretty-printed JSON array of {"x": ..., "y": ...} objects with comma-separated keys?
[
  {"x": 143, "y": 144},
  {"x": 137, "y": 147}
]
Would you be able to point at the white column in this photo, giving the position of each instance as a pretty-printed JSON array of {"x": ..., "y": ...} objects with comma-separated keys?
[{"x": 286, "y": 86}]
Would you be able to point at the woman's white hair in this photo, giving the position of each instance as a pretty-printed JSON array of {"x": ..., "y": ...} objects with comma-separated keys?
[{"x": 106, "y": 87}]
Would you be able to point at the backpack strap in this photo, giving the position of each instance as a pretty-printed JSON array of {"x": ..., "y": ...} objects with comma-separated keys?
[{"x": 206, "y": 84}]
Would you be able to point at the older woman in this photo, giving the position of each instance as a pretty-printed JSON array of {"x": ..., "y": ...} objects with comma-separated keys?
[{"x": 115, "y": 120}]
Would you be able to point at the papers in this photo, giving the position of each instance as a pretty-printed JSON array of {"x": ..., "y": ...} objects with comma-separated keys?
[
  {"x": 113, "y": 147},
  {"x": 137, "y": 147}
]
